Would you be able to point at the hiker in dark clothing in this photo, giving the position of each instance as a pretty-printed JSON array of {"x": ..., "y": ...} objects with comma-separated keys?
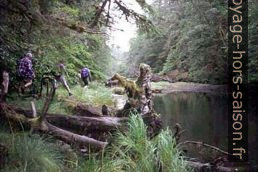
[
  {"x": 25, "y": 70},
  {"x": 85, "y": 76}
]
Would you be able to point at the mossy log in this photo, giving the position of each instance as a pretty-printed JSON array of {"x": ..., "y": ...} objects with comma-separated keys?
[
  {"x": 44, "y": 126},
  {"x": 86, "y": 124}
]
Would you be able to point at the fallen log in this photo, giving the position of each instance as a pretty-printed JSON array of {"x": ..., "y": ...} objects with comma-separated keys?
[
  {"x": 78, "y": 123},
  {"x": 72, "y": 138},
  {"x": 46, "y": 127},
  {"x": 86, "y": 124},
  {"x": 93, "y": 125}
]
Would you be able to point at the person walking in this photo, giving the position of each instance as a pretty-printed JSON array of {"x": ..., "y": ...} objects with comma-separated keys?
[
  {"x": 60, "y": 77},
  {"x": 25, "y": 71},
  {"x": 85, "y": 76}
]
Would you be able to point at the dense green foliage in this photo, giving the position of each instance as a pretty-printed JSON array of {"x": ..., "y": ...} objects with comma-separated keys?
[
  {"x": 51, "y": 31},
  {"x": 192, "y": 41}
]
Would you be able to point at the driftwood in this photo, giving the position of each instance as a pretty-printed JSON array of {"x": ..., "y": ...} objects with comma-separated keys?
[
  {"x": 207, "y": 167},
  {"x": 205, "y": 145}
]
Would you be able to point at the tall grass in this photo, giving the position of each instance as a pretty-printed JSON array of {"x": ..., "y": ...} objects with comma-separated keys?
[
  {"x": 57, "y": 106},
  {"x": 95, "y": 94},
  {"x": 130, "y": 151},
  {"x": 169, "y": 156},
  {"x": 30, "y": 154},
  {"x": 134, "y": 151}
]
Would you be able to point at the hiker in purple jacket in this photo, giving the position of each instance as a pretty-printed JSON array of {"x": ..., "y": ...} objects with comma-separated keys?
[
  {"x": 85, "y": 76},
  {"x": 25, "y": 70}
]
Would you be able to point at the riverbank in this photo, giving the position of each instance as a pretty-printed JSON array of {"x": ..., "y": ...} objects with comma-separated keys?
[{"x": 167, "y": 87}]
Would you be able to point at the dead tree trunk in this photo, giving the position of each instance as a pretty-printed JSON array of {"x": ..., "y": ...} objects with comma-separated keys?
[
  {"x": 86, "y": 124},
  {"x": 4, "y": 85},
  {"x": 71, "y": 138}
]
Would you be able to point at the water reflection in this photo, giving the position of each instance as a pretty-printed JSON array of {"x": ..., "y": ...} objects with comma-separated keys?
[{"x": 203, "y": 116}]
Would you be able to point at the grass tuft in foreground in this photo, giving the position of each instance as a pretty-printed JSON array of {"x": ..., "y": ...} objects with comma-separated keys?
[
  {"x": 134, "y": 151},
  {"x": 30, "y": 154}
]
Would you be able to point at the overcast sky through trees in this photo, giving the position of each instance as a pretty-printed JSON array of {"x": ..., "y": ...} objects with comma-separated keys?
[{"x": 123, "y": 31}]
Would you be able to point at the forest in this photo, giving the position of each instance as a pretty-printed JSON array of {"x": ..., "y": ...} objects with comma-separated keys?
[{"x": 116, "y": 122}]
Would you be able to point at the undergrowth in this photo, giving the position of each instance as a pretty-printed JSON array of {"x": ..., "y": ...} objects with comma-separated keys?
[
  {"x": 95, "y": 94},
  {"x": 131, "y": 150},
  {"x": 134, "y": 151},
  {"x": 30, "y": 154}
]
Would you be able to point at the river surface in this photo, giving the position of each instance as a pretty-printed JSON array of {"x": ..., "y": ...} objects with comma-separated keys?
[{"x": 203, "y": 116}]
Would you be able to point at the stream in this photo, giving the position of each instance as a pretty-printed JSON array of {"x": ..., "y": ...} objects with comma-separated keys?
[{"x": 203, "y": 116}]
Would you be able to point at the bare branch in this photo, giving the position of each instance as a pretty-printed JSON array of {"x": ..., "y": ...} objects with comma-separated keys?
[{"x": 98, "y": 14}]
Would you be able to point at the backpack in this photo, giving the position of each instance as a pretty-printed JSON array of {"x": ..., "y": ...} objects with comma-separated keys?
[
  {"x": 85, "y": 72},
  {"x": 25, "y": 68}
]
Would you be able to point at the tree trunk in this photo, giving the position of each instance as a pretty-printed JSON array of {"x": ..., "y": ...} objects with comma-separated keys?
[
  {"x": 86, "y": 124},
  {"x": 71, "y": 138},
  {"x": 98, "y": 14},
  {"x": 4, "y": 86}
]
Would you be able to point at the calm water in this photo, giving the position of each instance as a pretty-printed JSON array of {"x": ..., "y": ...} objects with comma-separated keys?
[{"x": 204, "y": 117}]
